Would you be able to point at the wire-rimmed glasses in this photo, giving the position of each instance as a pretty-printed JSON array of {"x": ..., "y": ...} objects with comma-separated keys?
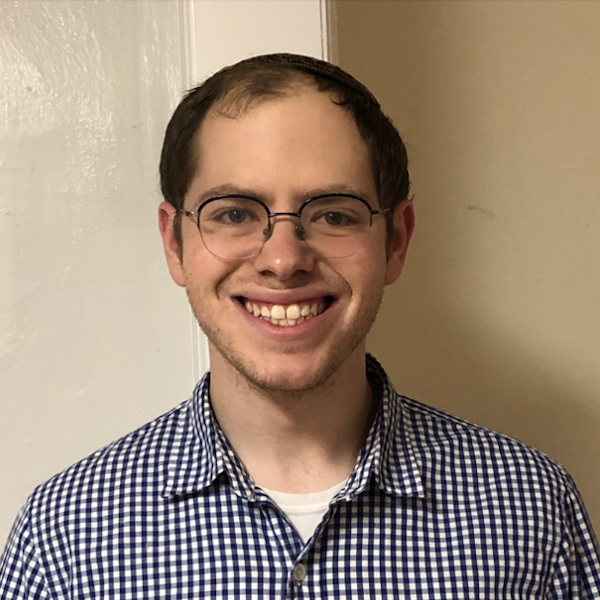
[{"x": 235, "y": 226}]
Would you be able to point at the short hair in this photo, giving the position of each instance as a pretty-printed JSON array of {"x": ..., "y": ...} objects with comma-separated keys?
[{"x": 235, "y": 89}]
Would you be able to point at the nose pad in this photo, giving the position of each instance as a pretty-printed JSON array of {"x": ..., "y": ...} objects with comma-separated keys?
[
  {"x": 267, "y": 232},
  {"x": 300, "y": 232}
]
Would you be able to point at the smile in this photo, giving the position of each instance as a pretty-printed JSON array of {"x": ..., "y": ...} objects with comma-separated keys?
[{"x": 286, "y": 315}]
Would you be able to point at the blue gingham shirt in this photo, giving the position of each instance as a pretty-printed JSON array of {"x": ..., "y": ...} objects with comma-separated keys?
[{"x": 436, "y": 508}]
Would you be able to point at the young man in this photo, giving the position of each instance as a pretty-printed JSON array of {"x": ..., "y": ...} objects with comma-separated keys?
[{"x": 296, "y": 470}]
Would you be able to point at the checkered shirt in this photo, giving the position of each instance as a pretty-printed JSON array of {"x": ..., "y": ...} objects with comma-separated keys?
[{"x": 436, "y": 508}]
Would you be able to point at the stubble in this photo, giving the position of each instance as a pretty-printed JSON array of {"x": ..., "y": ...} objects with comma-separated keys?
[{"x": 246, "y": 367}]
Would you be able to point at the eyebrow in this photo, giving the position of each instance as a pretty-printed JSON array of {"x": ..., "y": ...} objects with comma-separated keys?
[{"x": 228, "y": 189}]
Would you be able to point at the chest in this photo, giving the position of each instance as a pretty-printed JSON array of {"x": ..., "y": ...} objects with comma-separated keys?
[{"x": 375, "y": 546}]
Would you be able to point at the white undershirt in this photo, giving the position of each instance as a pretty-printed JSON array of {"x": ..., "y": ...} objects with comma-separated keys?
[{"x": 305, "y": 511}]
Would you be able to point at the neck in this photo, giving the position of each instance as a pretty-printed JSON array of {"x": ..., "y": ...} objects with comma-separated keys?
[{"x": 295, "y": 441}]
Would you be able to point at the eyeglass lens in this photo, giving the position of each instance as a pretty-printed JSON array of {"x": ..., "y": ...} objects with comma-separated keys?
[{"x": 234, "y": 227}]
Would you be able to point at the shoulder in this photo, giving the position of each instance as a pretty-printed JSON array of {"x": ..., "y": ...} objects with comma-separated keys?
[
  {"x": 478, "y": 455},
  {"x": 95, "y": 501},
  {"x": 140, "y": 458}
]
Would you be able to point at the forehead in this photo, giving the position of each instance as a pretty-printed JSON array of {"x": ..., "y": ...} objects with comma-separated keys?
[{"x": 302, "y": 140}]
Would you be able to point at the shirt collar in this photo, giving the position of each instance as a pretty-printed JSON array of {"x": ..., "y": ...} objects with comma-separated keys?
[
  {"x": 201, "y": 453},
  {"x": 387, "y": 455}
]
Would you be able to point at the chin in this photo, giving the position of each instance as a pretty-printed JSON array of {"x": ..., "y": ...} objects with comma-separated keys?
[
  {"x": 279, "y": 372},
  {"x": 286, "y": 378}
]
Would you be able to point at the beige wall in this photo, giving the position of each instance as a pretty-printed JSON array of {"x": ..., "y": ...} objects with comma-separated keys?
[{"x": 496, "y": 318}]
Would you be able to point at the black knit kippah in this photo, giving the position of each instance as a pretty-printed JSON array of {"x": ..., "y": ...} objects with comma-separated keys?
[{"x": 315, "y": 66}]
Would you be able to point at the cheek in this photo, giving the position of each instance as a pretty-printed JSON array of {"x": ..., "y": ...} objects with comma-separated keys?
[
  {"x": 205, "y": 276},
  {"x": 366, "y": 272},
  {"x": 374, "y": 260}
]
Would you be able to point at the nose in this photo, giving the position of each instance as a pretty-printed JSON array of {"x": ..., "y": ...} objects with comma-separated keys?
[
  {"x": 284, "y": 252},
  {"x": 300, "y": 233}
]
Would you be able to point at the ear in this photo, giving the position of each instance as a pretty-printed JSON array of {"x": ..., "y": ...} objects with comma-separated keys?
[
  {"x": 403, "y": 227},
  {"x": 166, "y": 216}
]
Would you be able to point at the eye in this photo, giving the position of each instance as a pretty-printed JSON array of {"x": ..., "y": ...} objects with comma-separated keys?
[
  {"x": 234, "y": 216},
  {"x": 335, "y": 219},
  {"x": 336, "y": 215},
  {"x": 232, "y": 212}
]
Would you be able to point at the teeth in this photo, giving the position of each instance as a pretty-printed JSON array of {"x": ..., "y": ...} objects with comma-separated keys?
[
  {"x": 293, "y": 311},
  {"x": 278, "y": 312},
  {"x": 285, "y": 317}
]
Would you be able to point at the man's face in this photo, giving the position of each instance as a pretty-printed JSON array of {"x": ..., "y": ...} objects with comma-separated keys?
[{"x": 284, "y": 151}]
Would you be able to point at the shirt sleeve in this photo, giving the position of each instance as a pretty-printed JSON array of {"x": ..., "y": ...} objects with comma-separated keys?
[
  {"x": 577, "y": 570},
  {"x": 20, "y": 574}
]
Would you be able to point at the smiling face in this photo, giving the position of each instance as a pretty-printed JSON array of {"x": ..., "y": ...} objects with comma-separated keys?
[{"x": 289, "y": 318}]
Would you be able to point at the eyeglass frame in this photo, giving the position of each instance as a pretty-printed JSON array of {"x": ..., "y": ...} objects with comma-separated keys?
[{"x": 269, "y": 230}]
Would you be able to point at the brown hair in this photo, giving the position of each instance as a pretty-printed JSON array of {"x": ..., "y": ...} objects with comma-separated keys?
[{"x": 235, "y": 89}]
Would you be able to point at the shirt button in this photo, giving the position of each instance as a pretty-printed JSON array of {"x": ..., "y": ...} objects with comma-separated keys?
[{"x": 299, "y": 573}]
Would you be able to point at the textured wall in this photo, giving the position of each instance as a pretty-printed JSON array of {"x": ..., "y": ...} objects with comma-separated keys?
[{"x": 497, "y": 317}]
